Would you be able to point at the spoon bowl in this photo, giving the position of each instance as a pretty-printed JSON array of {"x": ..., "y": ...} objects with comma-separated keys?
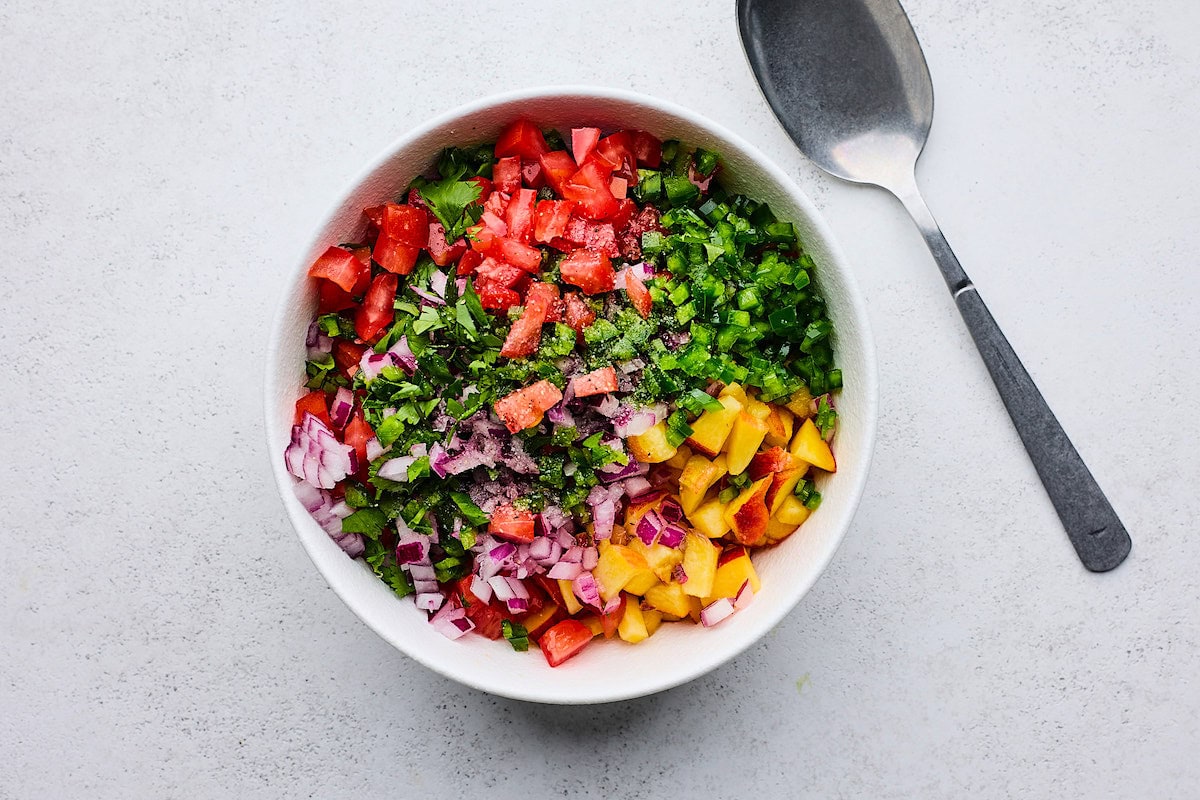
[{"x": 850, "y": 85}]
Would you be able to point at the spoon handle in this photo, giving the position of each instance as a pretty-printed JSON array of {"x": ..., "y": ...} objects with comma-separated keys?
[{"x": 1092, "y": 526}]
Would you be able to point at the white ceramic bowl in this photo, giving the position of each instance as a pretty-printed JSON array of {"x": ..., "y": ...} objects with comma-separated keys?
[{"x": 607, "y": 670}]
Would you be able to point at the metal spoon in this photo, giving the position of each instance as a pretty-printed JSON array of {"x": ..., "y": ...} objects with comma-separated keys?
[{"x": 848, "y": 81}]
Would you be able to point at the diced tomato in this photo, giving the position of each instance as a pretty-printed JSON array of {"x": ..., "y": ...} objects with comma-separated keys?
[
  {"x": 619, "y": 187},
  {"x": 497, "y": 272},
  {"x": 374, "y": 215},
  {"x": 550, "y": 587},
  {"x": 526, "y": 331},
  {"x": 639, "y": 295},
  {"x": 647, "y": 149},
  {"x": 583, "y": 140},
  {"x": 407, "y": 225},
  {"x": 601, "y": 237},
  {"x": 558, "y": 167},
  {"x": 415, "y": 199},
  {"x": 497, "y": 298},
  {"x": 376, "y": 312},
  {"x": 589, "y": 270},
  {"x": 393, "y": 256},
  {"x": 506, "y": 174},
  {"x": 331, "y": 298},
  {"x": 496, "y": 204},
  {"x": 598, "y": 381},
  {"x": 485, "y": 185},
  {"x": 347, "y": 355},
  {"x": 617, "y": 151},
  {"x": 469, "y": 261},
  {"x": 519, "y": 216},
  {"x": 442, "y": 252},
  {"x": 589, "y": 188},
  {"x": 315, "y": 403},
  {"x": 564, "y": 640},
  {"x": 514, "y": 524},
  {"x": 555, "y": 314},
  {"x": 339, "y": 267},
  {"x": 550, "y": 219},
  {"x": 521, "y": 138},
  {"x": 524, "y": 408},
  {"x": 480, "y": 237},
  {"x": 488, "y": 617},
  {"x": 494, "y": 223},
  {"x": 532, "y": 174},
  {"x": 612, "y": 619},
  {"x": 358, "y": 432},
  {"x": 518, "y": 254},
  {"x": 625, "y": 211},
  {"x": 577, "y": 314}
]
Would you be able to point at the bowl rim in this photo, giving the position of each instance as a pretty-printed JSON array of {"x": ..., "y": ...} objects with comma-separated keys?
[{"x": 855, "y": 304}]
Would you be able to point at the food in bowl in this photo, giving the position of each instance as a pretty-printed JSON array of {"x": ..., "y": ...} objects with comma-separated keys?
[{"x": 565, "y": 391}]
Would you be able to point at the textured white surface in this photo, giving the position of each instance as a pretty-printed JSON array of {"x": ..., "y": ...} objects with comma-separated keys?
[{"x": 163, "y": 632}]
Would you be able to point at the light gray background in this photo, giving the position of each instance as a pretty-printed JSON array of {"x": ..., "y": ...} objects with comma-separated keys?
[{"x": 164, "y": 635}]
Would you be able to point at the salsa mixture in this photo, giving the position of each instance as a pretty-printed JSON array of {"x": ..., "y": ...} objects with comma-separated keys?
[{"x": 563, "y": 389}]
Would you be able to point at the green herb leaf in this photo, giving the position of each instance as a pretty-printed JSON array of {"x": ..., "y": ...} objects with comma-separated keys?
[
  {"x": 449, "y": 200},
  {"x": 472, "y": 514},
  {"x": 367, "y": 521}
]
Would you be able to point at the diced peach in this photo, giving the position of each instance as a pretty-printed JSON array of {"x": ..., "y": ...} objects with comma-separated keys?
[
  {"x": 782, "y": 486},
  {"x": 662, "y": 559},
  {"x": 744, "y": 440},
  {"x": 810, "y": 447},
  {"x": 641, "y": 582},
  {"x": 735, "y": 390},
  {"x": 780, "y": 423},
  {"x": 711, "y": 428},
  {"x": 757, "y": 408},
  {"x": 571, "y": 602},
  {"x": 654, "y": 620},
  {"x": 774, "y": 459},
  {"x": 709, "y": 519},
  {"x": 632, "y": 627},
  {"x": 792, "y": 511},
  {"x": 652, "y": 447},
  {"x": 747, "y": 513},
  {"x": 634, "y": 514},
  {"x": 593, "y": 624},
  {"x": 680, "y": 459},
  {"x": 669, "y": 598},
  {"x": 778, "y": 531},
  {"x": 698, "y": 475},
  {"x": 800, "y": 403},
  {"x": 617, "y": 566},
  {"x": 700, "y": 564},
  {"x": 732, "y": 572}
]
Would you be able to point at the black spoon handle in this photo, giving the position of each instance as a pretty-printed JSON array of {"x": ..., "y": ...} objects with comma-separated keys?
[{"x": 1093, "y": 527}]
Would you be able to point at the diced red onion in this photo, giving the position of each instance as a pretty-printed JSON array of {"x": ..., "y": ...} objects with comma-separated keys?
[
  {"x": 604, "y": 517},
  {"x": 609, "y": 406},
  {"x": 452, "y": 623},
  {"x": 438, "y": 459},
  {"x": 564, "y": 537},
  {"x": 437, "y": 282},
  {"x": 508, "y": 588},
  {"x": 422, "y": 572},
  {"x": 430, "y": 601},
  {"x": 372, "y": 364},
  {"x": 374, "y": 449},
  {"x": 540, "y": 548},
  {"x": 481, "y": 588},
  {"x": 670, "y": 510},
  {"x": 649, "y": 527},
  {"x": 412, "y": 551},
  {"x": 636, "y": 487},
  {"x": 631, "y": 366},
  {"x": 341, "y": 510},
  {"x": 342, "y": 407},
  {"x": 573, "y": 555},
  {"x": 591, "y": 557},
  {"x": 639, "y": 422},
  {"x": 615, "y": 472},
  {"x": 586, "y": 589},
  {"x": 396, "y": 469},
  {"x": 316, "y": 456},
  {"x": 565, "y": 571},
  {"x": 716, "y": 611},
  {"x": 427, "y": 296},
  {"x": 503, "y": 550},
  {"x": 671, "y": 536},
  {"x": 745, "y": 596},
  {"x": 560, "y": 415},
  {"x": 679, "y": 574},
  {"x": 517, "y": 605},
  {"x": 486, "y": 566},
  {"x": 613, "y": 604},
  {"x": 425, "y": 587},
  {"x": 404, "y": 355}
]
